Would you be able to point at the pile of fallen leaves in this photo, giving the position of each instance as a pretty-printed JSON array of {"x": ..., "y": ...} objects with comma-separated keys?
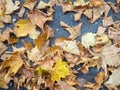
[{"x": 39, "y": 66}]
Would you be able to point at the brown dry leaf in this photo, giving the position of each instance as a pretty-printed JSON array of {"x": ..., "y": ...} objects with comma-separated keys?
[
  {"x": 48, "y": 7},
  {"x": 101, "y": 30},
  {"x": 3, "y": 47},
  {"x": 5, "y": 35},
  {"x": 66, "y": 7},
  {"x": 114, "y": 7},
  {"x": 4, "y": 80},
  {"x": 47, "y": 64},
  {"x": 8, "y": 35},
  {"x": 6, "y": 19},
  {"x": 39, "y": 18},
  {"x": 114, "y": 35},
  {"x": 77, "y": 16},
  {"x": 2, "y": 7},
  {"x": 24, "y": 27},
  {"x": 96, "y": 3},
  {"x": 41, "y": 40},
  {"x": 65, "y": 86},
  {"x": 114, "y": 79},
  {"x": 68, "y": 45},
  {"x": 88, "y": 13},
  {"x": 10, "y": 6},
  {"x": 14, "y": 63},
  {"x": 84, "y": 69},
  {"x": 21, "y": 12},
  {"x": 33, "y": 53},
  {"x": 110, "y": 56},
  {"x": 100, "y": 78},
  {"x": 97, "y": 13},
  {"x": 27, "y": 45},
  {"x": 29, "y": 4},
  {"x": 74, "y": 31},
  {"x": 1, "y": 24},
  {"x": 107, "y": 21}
]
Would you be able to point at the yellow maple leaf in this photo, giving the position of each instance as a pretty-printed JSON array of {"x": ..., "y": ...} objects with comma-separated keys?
[
  {"x": 23, "y": 28},
  {"x": 59, "y": 71}
]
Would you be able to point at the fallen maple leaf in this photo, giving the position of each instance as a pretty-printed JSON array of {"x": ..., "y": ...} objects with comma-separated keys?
[
  {"x": 39, "y": 18},
  {"x": 110, "y": 56},
  {"x": 14, "y": 63},
  {"x": 24, "y": 27},
  {"x": 59, "y": 71},
  {"x": 74, "y": 31}
]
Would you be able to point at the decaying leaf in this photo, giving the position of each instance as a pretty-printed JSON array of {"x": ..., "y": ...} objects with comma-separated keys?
[
  {"x": 110, "y": 56},
  {"x": 43, "y": 18},
  {"x": 24, "y": 27},
  {"x": 88, "y": 40},
  {"x": 74, "y": 31},
  {"x": 114, "y": 78},
  {"x": 68, "y": 45},
  {"x": 14, "y": 63},
  {"x": 59, "y": 71},
  {"x": 3, "y": 47}
]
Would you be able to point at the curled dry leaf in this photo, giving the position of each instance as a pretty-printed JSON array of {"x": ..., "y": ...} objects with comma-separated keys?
[
  {"x": 3, "y": 47},
  {"x": 39, "y": 18},
  {"x": 68, "y": 45},
  {"x": 110, "y": 56},
  {"x": 74, "y": 31},
  {"x": 88, "y": 40},
  {"x": 23, "y": 28},
  {"x": 114, "y": 78},
  {"x": 14, "y": 63}
]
